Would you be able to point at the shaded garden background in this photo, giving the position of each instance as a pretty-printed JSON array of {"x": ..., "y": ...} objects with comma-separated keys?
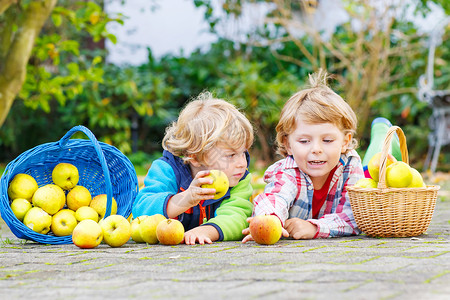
[{"x": 69, "y": 83}]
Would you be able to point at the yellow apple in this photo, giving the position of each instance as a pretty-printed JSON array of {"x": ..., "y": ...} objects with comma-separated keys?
[
  {"x": 265, "y": 229},
  {"x": 63, "y": 222},
  {"x": 77, "y": 197},
  {"x": 366, "y": 183},
  {"x": 147, "y": 228},
  {"x": 398, "y": 175},
  {"x": 374, "y": 165},
  {"x": 116, "y": 230},
  {"x": 22, "y": 186},
  {"x": 87, "y": 234},
  {"x": 135, "y": 229},
  {"x": 170, "y": 232},
  {"x": 99, "y": 204},
  {"x": 65, "y": 176},
  {"x": 220, "y": 183},
  {"x": 50, "y": 198},
  {"x": 38, "y": 220},
  {"x": 20, "y": 207},
  {"x": 417, "y": 180},
  {"x": 86, "y": 212}
]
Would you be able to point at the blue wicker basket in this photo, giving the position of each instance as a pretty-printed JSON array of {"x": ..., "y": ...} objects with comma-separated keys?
[{"x": 103, "y": 169}]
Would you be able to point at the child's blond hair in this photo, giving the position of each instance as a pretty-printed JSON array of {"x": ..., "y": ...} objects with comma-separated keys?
[
  {"x": 315, "y": 105},
  {"x": 202, "y": 124}
]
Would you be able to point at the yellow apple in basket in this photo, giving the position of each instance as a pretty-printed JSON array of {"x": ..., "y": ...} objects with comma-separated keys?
[
  {"x": 38, "y": 220},
  {"x": 398, "y": 175},
  {"x": 417, "y": 180},
  {"x": 22, "y": 186},
  {"x": 86, "y": 212},
  {"x": 20, "y": 207},
  {"x": 99, "y": 204},
  {"x": 64, "y": 222},
  {"x": 77, "y": 197},
  {"x": 374, "y": 165},
  {"x": 220, "y": 183},
  {"x": 148, "y": 228},
  {"x": 116, "y": 230},
  {"x": 65, "y": 176},
  {"x": 170, "y": 232},
  {"x": 136, "y": 230},
  {"x": 87, "y": 234},
  {"x": 366, "y": 183},
  {"x": 50, "y": 198},
  {"x": 265, "y": 229}
]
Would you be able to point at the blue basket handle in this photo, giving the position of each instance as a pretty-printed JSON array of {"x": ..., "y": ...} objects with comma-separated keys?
[{"x": 101, "y": 157}]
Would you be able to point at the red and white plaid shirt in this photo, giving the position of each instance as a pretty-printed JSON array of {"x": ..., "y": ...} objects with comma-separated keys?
[{"x": 289, "y": 194}]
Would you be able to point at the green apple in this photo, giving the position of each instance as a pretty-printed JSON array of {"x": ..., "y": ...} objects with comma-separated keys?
[
  {"x": 417, "y": 180},
  {"x": 38, "y": 220},
  {"x": 50, "y": 198},
  {"x": 265, "y": 229},
  {"x": 22, "y": 186},
  {"x": 65, "y": 176},
  {"x": 398, "y": 175},
  {"x": 63, "y": 222},
  {"x": 116, "y": 230},
  {"x": 77, "y": 197},
  {"x": 220, "y": 183},
  {"x": 99, "y": 204},
  {"x": 87, "y": 234},
  {"x": 86, "y": 212},
  {"x": 170, "y": 232},
  {"x": 135, "y": 229},
  {"x": 20, "y": 207},
  {"x": 374, "y": 165},
  {"x": 366, "y": 183},
  {"x": 147, "y": 228}
]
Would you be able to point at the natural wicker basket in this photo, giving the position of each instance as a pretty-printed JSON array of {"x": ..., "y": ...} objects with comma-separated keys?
[
  {"x": 103, "y": 169},
  {"x": 393, "y": 212}
]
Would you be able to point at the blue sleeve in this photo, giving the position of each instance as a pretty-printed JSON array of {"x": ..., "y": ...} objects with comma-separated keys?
[{"x": 159, "y": 186}]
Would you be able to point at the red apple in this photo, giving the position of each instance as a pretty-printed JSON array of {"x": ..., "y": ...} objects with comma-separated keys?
[
  {"x": 265, "y": 229},
  {"x": 170, "y": 232}
]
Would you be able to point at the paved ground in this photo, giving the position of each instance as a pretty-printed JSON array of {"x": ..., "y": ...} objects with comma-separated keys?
[{"x": 340, "y": 268}]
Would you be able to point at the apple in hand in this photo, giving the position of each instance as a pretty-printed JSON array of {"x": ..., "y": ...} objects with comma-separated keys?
[
  {"x": 22, "y": 186},
  {"x": 220, "y": 183},
  {"x": 77, "y": 197},
  {"x": 20, "y": 207},
  {"x": 135, "y": 229},
  {"x": 87, "y": 234},
  {"x": 99, "y": 204},
  {"x": 50, "y": 198},
  {"x": 38, "y": 220},
  {"x": 63, "y": 222},
  {"x": 116, "y": 230},
  {"x": 65, "y": 175},
  {"x": 265, "y": 229},
  {"x": 86, "y": 212},
  {"x": 170, "y": 232},
  {"x": 147, "y": 228}
]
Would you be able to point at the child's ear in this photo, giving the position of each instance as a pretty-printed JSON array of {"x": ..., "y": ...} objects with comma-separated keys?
[
  {"x": 287, "y": 145},
  {"x": 346, "y": 143},
  {"x": 193, "y": 161}
]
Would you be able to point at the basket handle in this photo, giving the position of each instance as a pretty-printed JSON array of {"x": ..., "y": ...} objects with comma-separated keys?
[
  {"x": 385, "y": 151},
  {"x": 101, "y": 157}
]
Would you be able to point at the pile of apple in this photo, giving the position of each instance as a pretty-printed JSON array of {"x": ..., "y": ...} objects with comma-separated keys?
[{"x": 398, "y": 174}]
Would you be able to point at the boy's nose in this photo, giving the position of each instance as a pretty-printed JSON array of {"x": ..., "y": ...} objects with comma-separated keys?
[{"x": 316, "y": 148}]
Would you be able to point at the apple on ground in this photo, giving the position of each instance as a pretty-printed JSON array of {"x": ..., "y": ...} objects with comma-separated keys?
[
  {"x": 22, "y": 186},
  {"x": 99, "y": 204},
  {"x": 116, "y": 230},
  {"x": 417, "y": 180},
  {"x": 50, "y": 198},
  {"x": 265, "y": 229},
  {"x": 220, "y": 183},
  {"x": 38, "y": 220},
  {"x": 366, "y": 183},
  {"x": 374, "y": 165},
  {"x": 20, "y": 207},
  {"x": 86, "y": 212},
  {"x": 170, "y": 232},
  {"x": 65, "y": 175},
  {"x": 63, "y": 222},
  {"x": 147, "y": 228},
  {"x": 135, "y": 229},
  {"x": 398, "y": 175},
  {"x": 87, "y": 234},
  {"x": 77, "y": 197}
]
